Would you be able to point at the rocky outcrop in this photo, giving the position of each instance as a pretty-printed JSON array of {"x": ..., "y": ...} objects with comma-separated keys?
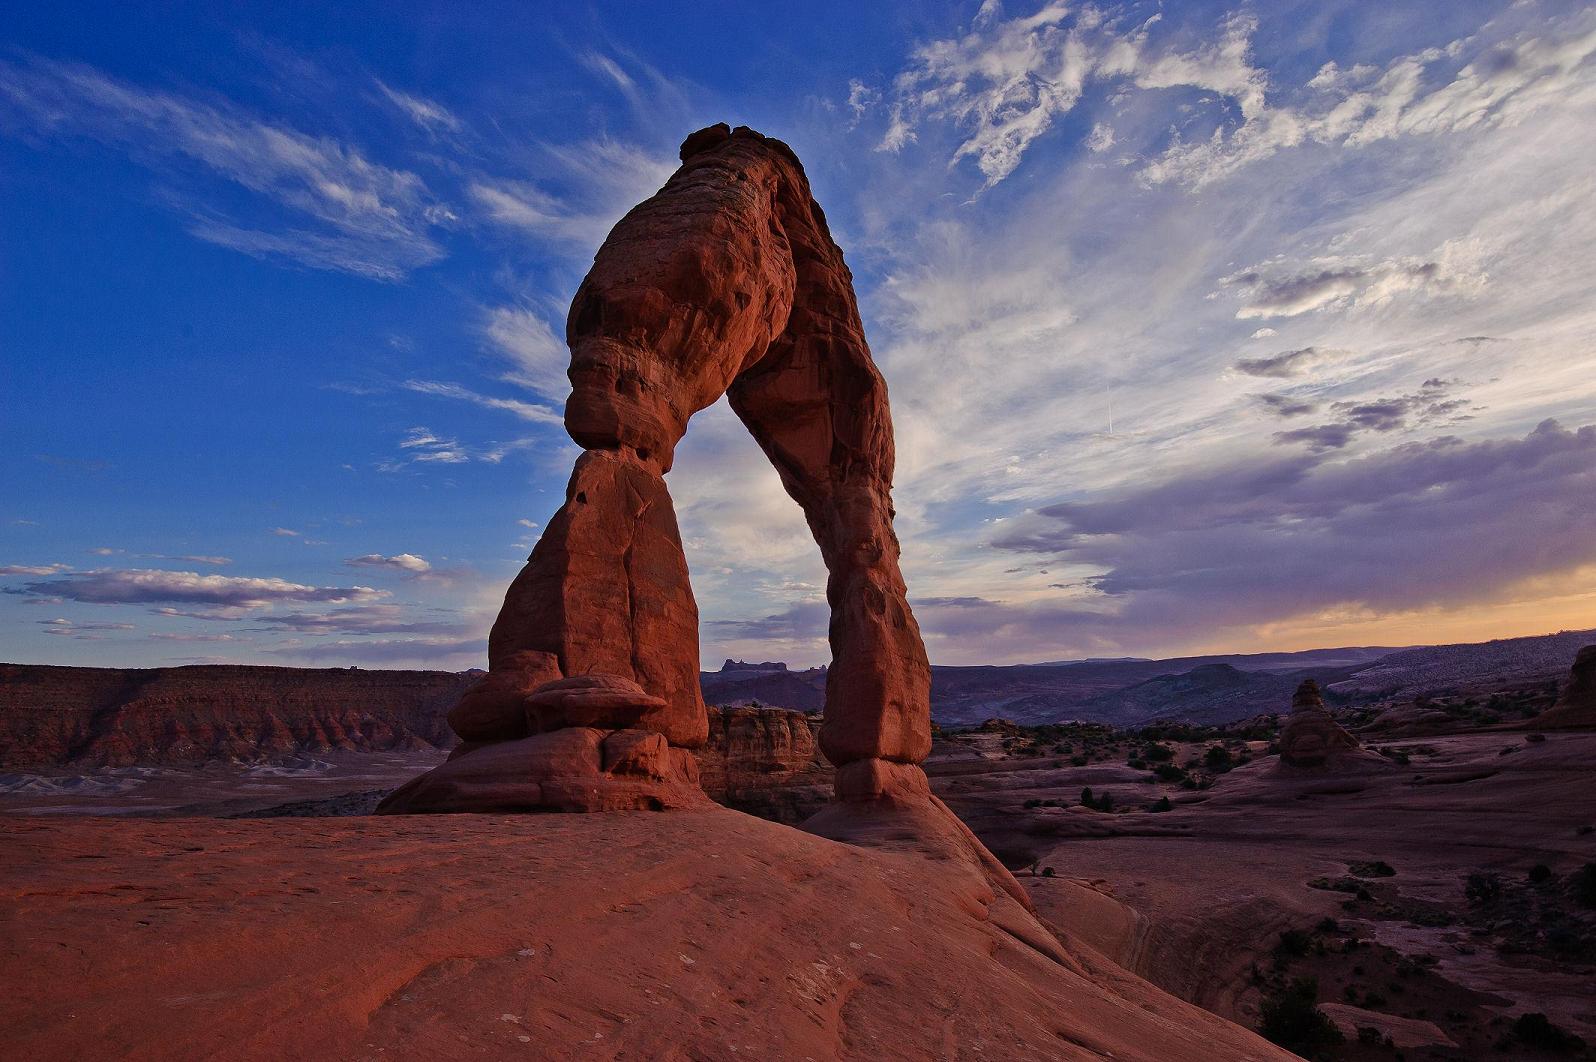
[
  {"x": 766, "y": 762},
  {"x": 803, "y": 691},
  {"x": 724, "y": 283},
  {"x": 1575, "y": 707},
  {"x": 1311, "y": 737},
  {"x": 90, "y": 716}
]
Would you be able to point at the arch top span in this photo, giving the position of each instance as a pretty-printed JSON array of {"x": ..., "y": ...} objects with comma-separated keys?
[{"x": 725, "y": 282}]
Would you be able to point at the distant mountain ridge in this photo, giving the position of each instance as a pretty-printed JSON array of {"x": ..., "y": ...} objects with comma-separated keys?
[{"x": 1205, "y": 689}]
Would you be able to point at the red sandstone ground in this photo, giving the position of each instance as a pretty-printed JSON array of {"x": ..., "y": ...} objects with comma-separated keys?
[{"x": 693, "y": 935}]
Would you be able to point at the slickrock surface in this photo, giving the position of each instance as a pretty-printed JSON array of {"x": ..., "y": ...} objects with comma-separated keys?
[
  {"x": 1576, "y": 703},
  {"x": 107, "y": 717},
  {"x": 685, "y": 935}
]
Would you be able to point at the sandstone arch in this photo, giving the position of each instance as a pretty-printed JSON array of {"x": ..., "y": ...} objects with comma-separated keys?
[{"x": 725, "y": 282}]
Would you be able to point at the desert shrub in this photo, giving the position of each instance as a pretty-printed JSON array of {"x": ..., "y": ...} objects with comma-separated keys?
[
  {"x": 1583, "y": 885},
  {"x": 1033, "y": 804},
  {"x": 1294, "y": 942},
  {"x": 1536, "y": 1030},
  {"x": 1535, "y": 739},
  {"x": 1086, "y": 798},
  {"x": 1047, "y": 872},
  {"x": 1217, "y": 759},
  {"x": 1372, "y": 868},
  {"x": 1368, "y": 1034},
  {"x": 1327, "y": 925},
  {"x": 1105, "y": 802},
  {"x": 1079, "y": 761},
  {"x": 1540, "y": 874},
  {"x": 1163, "y": 804},
  {"x": 1482, "y": 888},
  {"x": 1156, "y": 753},
  {"x": 1168, "y": 772},
  {"x": 1584, "y": 831},
  {"x": 1292, "y": 1019}
]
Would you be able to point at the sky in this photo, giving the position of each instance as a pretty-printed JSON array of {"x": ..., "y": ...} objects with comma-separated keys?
[{"x": 1207, "y": 327}]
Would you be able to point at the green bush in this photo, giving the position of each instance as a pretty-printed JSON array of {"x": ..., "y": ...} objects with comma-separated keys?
[
  {"x": 1086, "y": 798},
  {"x": 1163, "y": 805},
  {"x": 1540, "y": 874}
]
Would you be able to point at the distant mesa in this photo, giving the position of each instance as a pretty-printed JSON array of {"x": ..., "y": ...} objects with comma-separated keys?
[
  {"x": 741, "y": 665},
  {"x": 1311, "y": 738},
  {"x": 1576, "y": 704}
]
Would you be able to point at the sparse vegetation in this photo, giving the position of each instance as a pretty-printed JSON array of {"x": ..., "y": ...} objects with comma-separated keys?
[
  {"x": 1537, "y": 1031},
  {"x": 1292, "y": 1019}
]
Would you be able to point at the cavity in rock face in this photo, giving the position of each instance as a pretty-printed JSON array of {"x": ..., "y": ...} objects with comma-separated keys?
[
  {"x": 1311, "y": 736},
  {"x": 725, "y": 282}
]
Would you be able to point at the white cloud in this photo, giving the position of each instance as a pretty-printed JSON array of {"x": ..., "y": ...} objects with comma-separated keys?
[
  {"x": 428, "y": 114},
  {"x": 538, "y": 355},
  {"x": 1516, "y": 65},
  {"x": 285, "y": 532},
  {"x": 366, "y": 218},
  {"x": 525, "y": 410},
  {"x": 32, "y": 569},
  {"x": 405, "y": 562}
]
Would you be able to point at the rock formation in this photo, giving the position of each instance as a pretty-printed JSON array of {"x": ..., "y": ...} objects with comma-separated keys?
[
  {"x": 1311, "y": 737},
  {"x": 726, "y": 282},
  {"x": 111, "y": 717},
  {"x": 1576, "y": 704},
  {"x": 766, "y": 762}
]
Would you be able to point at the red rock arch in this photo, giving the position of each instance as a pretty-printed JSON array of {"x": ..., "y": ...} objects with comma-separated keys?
[{"x": 725, "y": 282}]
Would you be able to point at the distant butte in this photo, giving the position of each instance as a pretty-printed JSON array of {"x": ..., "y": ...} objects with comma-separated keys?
[{"x": 1311, "y": 737}]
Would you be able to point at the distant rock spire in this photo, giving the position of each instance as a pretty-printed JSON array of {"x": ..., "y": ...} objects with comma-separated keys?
[{"x": 1311, "y": 737}]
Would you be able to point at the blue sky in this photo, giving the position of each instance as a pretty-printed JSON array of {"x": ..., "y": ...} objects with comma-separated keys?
[{"x": 1219, "y": 326}]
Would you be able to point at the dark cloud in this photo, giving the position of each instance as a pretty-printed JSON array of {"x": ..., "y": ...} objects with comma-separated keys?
[
  {"x": 1437, "y": 522},
  {"x": 806, "y": 620},
  {"x": 1429, "y": 405},
  {"x": 462, "y": 652},
  {"x": 1320, "y": 437},
  {"x": 110, "y": 586},
  {"x": 85, "y": 631},
  {"x": 1288, "y": 363},
  {"x": 369, "y": 619},
  {"x": 1287, "y": 295},
  {"x": 1284, "y": 405}
]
